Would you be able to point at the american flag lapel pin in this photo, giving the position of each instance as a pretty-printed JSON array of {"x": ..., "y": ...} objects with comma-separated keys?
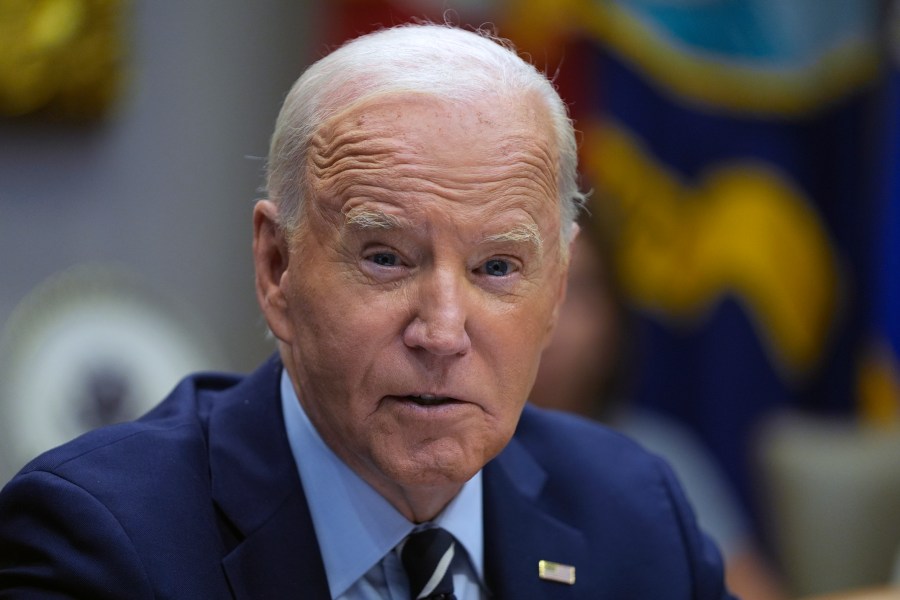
[{"x": 557, "y": 572}]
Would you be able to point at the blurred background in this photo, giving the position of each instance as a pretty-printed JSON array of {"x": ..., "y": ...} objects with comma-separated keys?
[{"x": 744, "y": 232}]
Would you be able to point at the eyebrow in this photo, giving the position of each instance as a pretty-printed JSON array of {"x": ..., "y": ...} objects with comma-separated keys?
[
  {"x": 526, "y": 232},
  {"x": 367, "y": 219}
]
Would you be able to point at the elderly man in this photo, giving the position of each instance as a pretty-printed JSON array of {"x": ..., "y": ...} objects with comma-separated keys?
[{"x": 410, "y": 260}]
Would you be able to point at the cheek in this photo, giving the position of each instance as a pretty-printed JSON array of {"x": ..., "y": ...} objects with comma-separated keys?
[{"x": 343, "y": 329}]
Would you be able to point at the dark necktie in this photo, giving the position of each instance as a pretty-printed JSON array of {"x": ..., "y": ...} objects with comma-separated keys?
[{"x": 426, "y": 556}]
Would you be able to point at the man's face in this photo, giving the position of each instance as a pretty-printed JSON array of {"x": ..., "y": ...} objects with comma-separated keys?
[{"x": 422, "y": 284}]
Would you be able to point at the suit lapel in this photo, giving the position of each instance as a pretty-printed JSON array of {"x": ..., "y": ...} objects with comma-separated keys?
[
  {"x": 519, "y": 533},
  {"x": 280, "y": 559},
  {"x": 272, "y": 550}
]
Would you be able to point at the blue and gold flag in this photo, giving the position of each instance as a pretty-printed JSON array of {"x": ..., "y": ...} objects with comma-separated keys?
[
  {"x": 728, "y": 154},
  {"x": 879, "y": 390}
]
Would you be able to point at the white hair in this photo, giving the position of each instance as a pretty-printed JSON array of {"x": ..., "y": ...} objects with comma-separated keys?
[{"x": 438, "y": 60}]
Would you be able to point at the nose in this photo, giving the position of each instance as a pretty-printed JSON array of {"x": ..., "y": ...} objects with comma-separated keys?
[{"x": 438, "y": 324}]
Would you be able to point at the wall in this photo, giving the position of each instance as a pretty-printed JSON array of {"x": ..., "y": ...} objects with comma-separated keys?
[{"x": 164, "y": 187}]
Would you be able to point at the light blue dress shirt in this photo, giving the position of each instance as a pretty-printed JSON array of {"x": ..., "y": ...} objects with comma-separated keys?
[{"x": 358, "y": 530}]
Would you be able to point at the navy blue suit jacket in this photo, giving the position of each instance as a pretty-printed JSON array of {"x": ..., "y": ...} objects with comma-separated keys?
[{"x": 201, "y": 499}]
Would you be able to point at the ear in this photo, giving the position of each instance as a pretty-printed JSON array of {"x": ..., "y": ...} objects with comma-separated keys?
[
  {"x": 271, "y": 254},
  {"x": 561, "y": 287}
]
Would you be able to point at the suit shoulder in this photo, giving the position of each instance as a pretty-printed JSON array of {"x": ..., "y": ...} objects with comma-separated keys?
[
  {"x": 575, "y": 451},
  {"x": 551, "y": 431},
  {"x": 170, "y": 429}
]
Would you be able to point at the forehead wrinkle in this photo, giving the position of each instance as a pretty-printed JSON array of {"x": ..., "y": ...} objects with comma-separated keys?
[
  {"x": 358, "y": 156},
  {"x": 351, "y": 151},
  {"x": 356, "y": 145},
  {"x": 522, "y": 176},
  {"x": 394, "y": 185},
  {"x": 538, "y": 164},
  {"x": 520, "y": 173}
]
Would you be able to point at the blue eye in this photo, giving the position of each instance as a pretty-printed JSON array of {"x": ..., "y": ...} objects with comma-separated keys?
[
  {"x": 384, "y": 259},
  {"x": 496, "y": 267}
]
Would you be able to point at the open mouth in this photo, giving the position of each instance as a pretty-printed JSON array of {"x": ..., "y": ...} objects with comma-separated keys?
[{"x": 429, "y": 399}]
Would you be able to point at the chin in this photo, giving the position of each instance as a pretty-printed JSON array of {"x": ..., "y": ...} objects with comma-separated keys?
[{"x": 436, "y": 466}]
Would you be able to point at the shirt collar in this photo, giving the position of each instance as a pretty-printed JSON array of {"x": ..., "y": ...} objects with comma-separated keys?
[{"x": 355, "y": 525}]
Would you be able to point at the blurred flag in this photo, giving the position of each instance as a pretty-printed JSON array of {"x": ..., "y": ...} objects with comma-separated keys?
[
  {"x": 728, "y": 157},
  {"x": 879, "y": 380}
]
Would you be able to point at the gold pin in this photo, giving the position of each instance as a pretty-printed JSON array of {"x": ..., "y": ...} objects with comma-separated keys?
[{"x": 552, "y": 571}]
